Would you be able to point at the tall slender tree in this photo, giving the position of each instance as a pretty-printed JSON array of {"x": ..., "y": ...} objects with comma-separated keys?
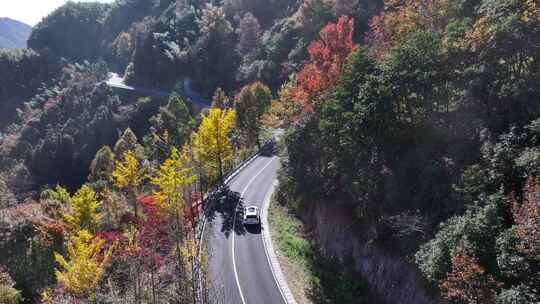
[
  {"x": 212, "y": 142},
  {"x": 220, "y": 99},
  {"x": 82, "y": 270},
  {"x": 173, "y": 181},
  {"x": 249, "y": 32},
  {"x": 126, "y": 142},
  {"x": 252, "y": 102},
  {"x": 84, "y": 210},
  {"x": 128, "y": 175},
  {"x": 102, "y": 165}
]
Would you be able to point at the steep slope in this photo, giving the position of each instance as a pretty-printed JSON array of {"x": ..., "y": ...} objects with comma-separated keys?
[{"x": 13, "y": 33}]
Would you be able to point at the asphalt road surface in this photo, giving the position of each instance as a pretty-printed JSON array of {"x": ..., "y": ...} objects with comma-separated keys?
[{"x": 239, "y": 269}]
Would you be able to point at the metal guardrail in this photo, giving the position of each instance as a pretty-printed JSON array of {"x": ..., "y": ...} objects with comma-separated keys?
[{"x": 206, "y": 203}]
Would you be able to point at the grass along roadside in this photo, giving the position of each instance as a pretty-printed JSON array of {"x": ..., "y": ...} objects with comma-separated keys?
[
  {"x": 312, "y": 278},
  {"x": 291, "y": 249}
]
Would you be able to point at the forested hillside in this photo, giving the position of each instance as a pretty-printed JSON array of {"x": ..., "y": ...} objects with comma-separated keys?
[
  {"x": 419, "y": 117},
  {"x": 428, "y": 134}
]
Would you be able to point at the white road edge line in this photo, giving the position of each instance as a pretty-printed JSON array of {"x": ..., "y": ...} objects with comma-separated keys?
[
  {"x": 233, "y": 227},
  {"x": 271, "y": 256},
  {"x": 245, "y": 163}
]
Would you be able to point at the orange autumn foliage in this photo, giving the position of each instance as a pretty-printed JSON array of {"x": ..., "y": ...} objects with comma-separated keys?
[
  {"x": 328, "y": 56},
  {"x": 527, "y": 219},
  {"x": 468, "y": 282},
  {"x": 486, "y": 27},
  {"x": 401, "y": 17}
]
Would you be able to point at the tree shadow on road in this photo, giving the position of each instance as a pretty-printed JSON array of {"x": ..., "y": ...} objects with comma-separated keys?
[{"x": 226, "y": 203}]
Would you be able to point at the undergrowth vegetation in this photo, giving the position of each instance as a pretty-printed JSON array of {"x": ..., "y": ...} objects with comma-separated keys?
[{"x": 313, "y": 277}]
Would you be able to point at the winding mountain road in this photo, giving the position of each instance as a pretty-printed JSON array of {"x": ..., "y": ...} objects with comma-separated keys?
[{"x": 239, "y": 269}]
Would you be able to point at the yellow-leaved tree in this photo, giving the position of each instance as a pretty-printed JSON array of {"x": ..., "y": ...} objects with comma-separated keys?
[
  {"x": 84, "y": 212},
  {"x": 81, "y": 272},
  {"x": 212, "y": 142},
  {"x": 128, "y": 175},
  {"x": 173, "y": 180}
]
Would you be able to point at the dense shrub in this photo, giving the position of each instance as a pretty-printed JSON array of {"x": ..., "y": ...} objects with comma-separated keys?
[{"x": 23, "y": 73}]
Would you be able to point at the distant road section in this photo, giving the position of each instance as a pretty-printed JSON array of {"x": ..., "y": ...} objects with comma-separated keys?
[{"x": 117, "y": 81}]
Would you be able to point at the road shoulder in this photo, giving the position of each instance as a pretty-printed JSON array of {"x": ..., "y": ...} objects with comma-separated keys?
[{"x": 271, "y": 255}]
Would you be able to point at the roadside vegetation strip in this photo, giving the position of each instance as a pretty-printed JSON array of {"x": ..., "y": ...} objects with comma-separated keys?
[
  {"x": 312, "y": 277},
  {"x": 271, "y": 255},
  {"x": 291, "y": 249}
]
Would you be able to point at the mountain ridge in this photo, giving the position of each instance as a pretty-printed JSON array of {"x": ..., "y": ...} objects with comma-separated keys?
[{"x": 13, "y": 33}]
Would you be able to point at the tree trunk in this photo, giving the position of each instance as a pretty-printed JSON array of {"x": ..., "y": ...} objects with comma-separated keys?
[
  {"x": 220, "y": 164},
  {"x": 132, "y": 196},
  {"x": 153, "y": 287}
]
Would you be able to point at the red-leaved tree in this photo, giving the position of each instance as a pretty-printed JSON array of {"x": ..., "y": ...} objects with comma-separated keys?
[
  {"x": 328, "y": 56},
  {"x": 468, "y": 282},
  {"x": 527, "y": 218},
  {"x": 152, "y": 237},
  {"x": 147, "y": 251}
]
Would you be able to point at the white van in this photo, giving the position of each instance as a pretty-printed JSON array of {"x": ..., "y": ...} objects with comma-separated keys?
[{"x": 251, "y": 216}]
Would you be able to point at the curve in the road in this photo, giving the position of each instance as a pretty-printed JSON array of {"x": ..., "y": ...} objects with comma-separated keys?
[
  {"x": 239, "y": 270},
  {"x": 234, "y": 224}
]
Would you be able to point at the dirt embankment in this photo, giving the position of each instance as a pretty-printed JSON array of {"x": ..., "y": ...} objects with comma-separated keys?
[{"x": 391, "y": 279}]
